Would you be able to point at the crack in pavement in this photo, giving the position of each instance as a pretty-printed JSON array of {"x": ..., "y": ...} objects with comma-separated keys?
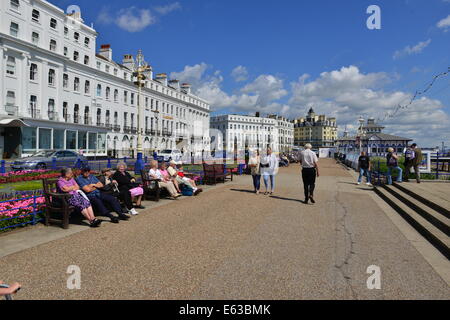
[{"x": 348, "y": 238}]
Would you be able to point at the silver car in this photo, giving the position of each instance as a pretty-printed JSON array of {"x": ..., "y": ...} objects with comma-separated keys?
[{"x": 44, "y": 160}]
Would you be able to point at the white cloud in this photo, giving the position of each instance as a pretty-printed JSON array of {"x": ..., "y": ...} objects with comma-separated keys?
[
  {"x": 134, "y": 20},
  {"x": 347, "y": 94},
  {"x": 239, "y": 74},
  {"x": 408, "y": 50},
  {"x": 163, "y": 10},
  {"x": 444, "y": 23}
]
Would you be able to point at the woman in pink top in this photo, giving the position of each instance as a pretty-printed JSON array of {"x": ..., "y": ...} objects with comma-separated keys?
[
  {"x": 167, "y": 177},
  {"x": 67, "y": 184}
]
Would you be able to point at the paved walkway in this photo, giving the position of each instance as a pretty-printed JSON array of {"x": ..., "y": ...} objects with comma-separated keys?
[{"x": 231, "y": 244}]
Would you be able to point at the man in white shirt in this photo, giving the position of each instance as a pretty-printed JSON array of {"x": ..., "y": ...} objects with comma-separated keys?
[{"x": 309, "y": 162}]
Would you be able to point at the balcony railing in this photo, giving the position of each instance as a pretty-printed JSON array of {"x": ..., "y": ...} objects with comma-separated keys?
[
  {"x": 53, "y": 116},
  {"x": 109, "y": 126},
  {"x": 67, "y": 118},
  {"x": 99, "y": 124},
  {"x": 134, "y": 130},
  {"x": 12, "y": 110},
  {"x": 116, "y": 128},
  {"x": 126, "y": 129},
  {"x": 87, "y": 121},
  {"x": 34, "y": 113},
  {"x": 76, "y": 119}
]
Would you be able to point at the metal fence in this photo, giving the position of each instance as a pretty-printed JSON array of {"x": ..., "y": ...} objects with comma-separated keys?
[{"x": 20, "y": 212}]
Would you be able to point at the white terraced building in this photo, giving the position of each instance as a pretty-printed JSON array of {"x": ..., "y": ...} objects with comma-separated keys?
[
  {"x": 57, "y": 93},
  {"x": 236, "y": 132}
]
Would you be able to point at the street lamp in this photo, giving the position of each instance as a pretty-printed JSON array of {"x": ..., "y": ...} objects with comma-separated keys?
[
  {"x": 140, "y": 69},
  {"x": 360, "y": 132}
]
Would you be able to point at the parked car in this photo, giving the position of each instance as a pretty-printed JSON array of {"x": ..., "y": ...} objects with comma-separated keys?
[
  {"x": 44, "y": 160},
  {"x": 170, "y": 155}
]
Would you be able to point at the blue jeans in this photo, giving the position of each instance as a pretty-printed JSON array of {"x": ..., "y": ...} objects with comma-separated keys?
[
  {"x": 389, "y": 174},
  {"x": 256, "y": 181},
  {"x": 364, "y": 172},
  {"x": 272, "y": 181}
]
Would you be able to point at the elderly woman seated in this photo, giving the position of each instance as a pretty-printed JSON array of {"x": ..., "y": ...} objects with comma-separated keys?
[
  {"x": 127, "y": 186},
  {"x": 163, "y": 182},
  {"x": 67, "y": 184}
]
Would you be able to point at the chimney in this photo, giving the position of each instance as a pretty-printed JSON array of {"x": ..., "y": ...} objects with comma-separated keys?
[
  {"x": 106, "y": 51},
  {"x": 162, "y": 78},
  {"x": 186, "y": 87},
  {"x": 74, "y": 13},
  {"x": 128, "y": 61},
  {"x": 257, "y": 114},
  {"x": 175, "y": 84}
]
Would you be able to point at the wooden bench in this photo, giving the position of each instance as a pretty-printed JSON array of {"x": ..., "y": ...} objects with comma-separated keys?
[
  {"x": 216, "y": 172},
  {"x": 56, "y": 203}
]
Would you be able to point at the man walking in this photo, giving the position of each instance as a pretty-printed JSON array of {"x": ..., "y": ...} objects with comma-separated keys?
[
  {"x": 413, "y": 159},
  {"x": 310, "y": 171},
  {"x": 364, "y": 168}
]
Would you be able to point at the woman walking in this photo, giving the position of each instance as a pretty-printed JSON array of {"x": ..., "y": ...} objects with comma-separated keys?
[
  {"x": 67, "y": 184},
  {"x": 269, "y": 168},
  {"x": 254, "y": 163}
]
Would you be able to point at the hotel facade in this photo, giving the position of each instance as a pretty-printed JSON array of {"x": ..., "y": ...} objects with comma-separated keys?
[
  {"x": 57, "y": 92},
  {"x": 318, "y": 130},
  {"x": 236, "y": 132}
]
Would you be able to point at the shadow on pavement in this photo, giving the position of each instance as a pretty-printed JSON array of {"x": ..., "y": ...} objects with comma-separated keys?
[
  {"x": 287, "y": 199},
  {"x": 243, "y": 190}
]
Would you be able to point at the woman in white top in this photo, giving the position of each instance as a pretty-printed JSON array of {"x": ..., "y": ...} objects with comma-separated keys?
[
  {"x": 269, "y": 168},
  {"x": 254, "y": 164}
]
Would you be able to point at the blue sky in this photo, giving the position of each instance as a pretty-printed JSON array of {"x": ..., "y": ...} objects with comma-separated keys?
[{"x": 286, "y": 56}]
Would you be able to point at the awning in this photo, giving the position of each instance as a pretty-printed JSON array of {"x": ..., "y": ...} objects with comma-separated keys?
[
  {"x": 12, "y": 122},
  {"x": 16, "y": 122}
]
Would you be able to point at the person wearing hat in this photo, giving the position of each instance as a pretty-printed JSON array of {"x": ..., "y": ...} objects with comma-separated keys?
[
  {"x": 174, "y": 174},
  {"x": 99, "y": 200}
]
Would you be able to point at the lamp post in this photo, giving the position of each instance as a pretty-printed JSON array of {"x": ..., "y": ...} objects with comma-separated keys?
[
  {"x": 360, "y": 132},
  {"x": 139, "y": 70}
]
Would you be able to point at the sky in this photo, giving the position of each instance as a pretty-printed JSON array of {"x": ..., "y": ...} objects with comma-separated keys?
[{"x": 287, "y": 56}]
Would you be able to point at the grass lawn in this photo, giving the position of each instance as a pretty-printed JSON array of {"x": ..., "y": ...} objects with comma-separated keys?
[{"x": 22, "y": 186}]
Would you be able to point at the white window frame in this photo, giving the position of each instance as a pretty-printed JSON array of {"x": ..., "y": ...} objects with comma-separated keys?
[
  {"x": 11, "y": 66},
  {"x": 14, "y": 32}
]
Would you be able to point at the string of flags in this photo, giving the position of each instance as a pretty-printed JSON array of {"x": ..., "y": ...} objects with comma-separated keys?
[{"x": 389, "y": 115}]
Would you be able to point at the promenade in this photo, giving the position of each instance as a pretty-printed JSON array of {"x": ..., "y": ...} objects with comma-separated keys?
[{"x": 229, "y": 243}]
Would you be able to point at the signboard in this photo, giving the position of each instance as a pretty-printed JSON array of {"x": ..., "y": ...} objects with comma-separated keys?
[{"x": 425, "y": 165}]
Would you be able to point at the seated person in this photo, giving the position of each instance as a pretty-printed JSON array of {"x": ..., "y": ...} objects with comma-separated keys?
[
  {"x": 11, "y": 290},
  {"x": 166, "y": 175},
  {"x": 67, "y": 184},
  {"x": 91, "y": 185},
  {"x": 167, "y": 184},
  {"x": 181, "y": 179},
  {"x": 126, "y": 183}
]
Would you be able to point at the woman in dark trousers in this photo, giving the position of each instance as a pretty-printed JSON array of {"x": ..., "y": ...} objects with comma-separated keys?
[{"x": 125, "y": 183}]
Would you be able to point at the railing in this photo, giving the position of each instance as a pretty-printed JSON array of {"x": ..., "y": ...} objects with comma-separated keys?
[
  {"x": 127, "y": 129},
  {"x": 53, "y": 116},
  {"x": 67, "y": 118},
  {"x": 109, "y": 126},
  {"x": 34, "y": 113},
  {"x": 20, "y": 212},
  {"x": 116, "y": 128},
  {"x": 12, "y": 110},
  {"x": 100, "y": 124},
  {"x": 76, "y": 119},
  {"x": 87, "y": 121},
  {"x": 133, "y": 130}
]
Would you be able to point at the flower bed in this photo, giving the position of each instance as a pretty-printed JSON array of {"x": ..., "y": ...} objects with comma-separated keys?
[
  {"x": 29, "y": 175},
  {"x": 19, "y": 212}
]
